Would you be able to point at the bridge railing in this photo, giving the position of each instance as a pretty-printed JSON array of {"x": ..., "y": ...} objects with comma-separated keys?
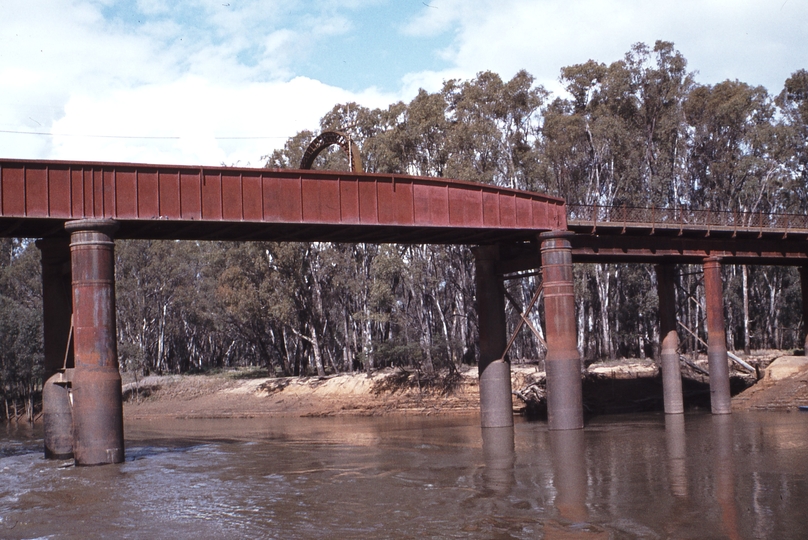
[{"x": 681, "y": 218}]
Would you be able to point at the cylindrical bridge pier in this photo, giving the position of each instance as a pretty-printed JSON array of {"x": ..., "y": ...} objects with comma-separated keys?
[
  {"x": 496, "y": 402},
  {"x": 804, "y": 286},
  {"x": 669, "y": 340},
  {"x": 716, "y": 338},
  {"x": 563, "y": 362},
  {"x": 57, "y": 421},
  {"x": 96, "y": 382}
]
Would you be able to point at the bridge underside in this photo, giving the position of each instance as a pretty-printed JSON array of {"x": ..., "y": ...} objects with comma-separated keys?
[
  {"x": 280, "y": 232},
  {"x": 661, "y": 248}
]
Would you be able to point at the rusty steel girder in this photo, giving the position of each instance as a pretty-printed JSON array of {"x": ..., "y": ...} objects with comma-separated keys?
[
  {"x": 96, "y": 382},
  {"x": 228, "y": 203}
]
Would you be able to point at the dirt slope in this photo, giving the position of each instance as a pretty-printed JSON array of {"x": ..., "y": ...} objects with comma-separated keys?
[
  {"x": 235, "y": 395},
  {"x": 784, "y": 387}
]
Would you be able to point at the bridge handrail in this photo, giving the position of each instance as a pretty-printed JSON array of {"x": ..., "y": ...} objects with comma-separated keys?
[{"x": 666, "y": 218}]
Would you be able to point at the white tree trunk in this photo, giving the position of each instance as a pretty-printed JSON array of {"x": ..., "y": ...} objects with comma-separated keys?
[{"x": 745, "y": 274}]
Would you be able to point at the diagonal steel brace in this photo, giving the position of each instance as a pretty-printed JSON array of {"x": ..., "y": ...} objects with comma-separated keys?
[{"x": 523, "y": 319}]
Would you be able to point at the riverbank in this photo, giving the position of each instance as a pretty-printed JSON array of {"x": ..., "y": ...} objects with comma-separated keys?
[
  {"x": 247, "y": 394},
  {"x": 609, "y": 387},
  {"x": 784, "y": 387}
]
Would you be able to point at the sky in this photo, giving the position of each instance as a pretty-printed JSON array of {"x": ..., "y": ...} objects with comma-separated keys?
[{"x": 211, "y": 82}]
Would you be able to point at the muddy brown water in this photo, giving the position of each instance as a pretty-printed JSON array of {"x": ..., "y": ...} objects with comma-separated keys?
[{"x": 625, "y": 476}]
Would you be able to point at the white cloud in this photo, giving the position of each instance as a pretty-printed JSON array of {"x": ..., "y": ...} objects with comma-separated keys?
[
  {"x": 755, "y": 41},
  {"x": 202, "y": 70},
  {"x": 202, "y": 114},
  {"x": 68, "y": 70}
]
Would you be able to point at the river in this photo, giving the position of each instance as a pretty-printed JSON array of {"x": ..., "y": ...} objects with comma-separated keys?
[{"x": 627, "y": 476}]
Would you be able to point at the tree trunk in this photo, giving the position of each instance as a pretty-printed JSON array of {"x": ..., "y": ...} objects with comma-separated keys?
[
  {"x": 449, "y": 354},
  {"x": 318, "y": 356},
  {"x": 641, "y": 338},
  {"x": 581, "y": 326},
  {"x": 603, "y": 295},
  {"x": 426, "y": 332},
  {"x": 367, "y": 344},
  {"x": 745, "y": 274},
  {"x": 773, "y": 284},
  {"x": 347, "y": 352}
]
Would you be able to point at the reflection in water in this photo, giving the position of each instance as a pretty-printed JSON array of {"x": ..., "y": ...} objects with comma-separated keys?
[
  {"x": 677, "y": 453},
  {"x": 569, "y": 463},
  {"x": 724, "y": 460},
  {"x": 568, "y": 456},
  {"x": 621, "y": 477},
  {"x": 499, "y": 457}
]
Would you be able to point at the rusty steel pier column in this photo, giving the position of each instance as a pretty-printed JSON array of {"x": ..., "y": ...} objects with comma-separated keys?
[
  {"x": 57, "y": 417},
  {"x": 669, "y": 347},
  {"x": 563, "y": 362},
  {"x": 496, "y": 402},
  {"x": 716, "y": 338},
  {"x": 804, "y": 285},
  {"x": 97, "y": 403},
  {"x": 56, "y": 302}
]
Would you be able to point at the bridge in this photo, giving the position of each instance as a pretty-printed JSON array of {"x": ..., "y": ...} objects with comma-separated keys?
[
  {"x": 77, "y": 209},
  {"x": 210, "y": 203}
]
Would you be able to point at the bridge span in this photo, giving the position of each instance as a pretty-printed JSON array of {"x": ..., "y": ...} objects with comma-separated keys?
[
  {"x": 224, "y": 203},
  {"x": 78, "y": 209}
]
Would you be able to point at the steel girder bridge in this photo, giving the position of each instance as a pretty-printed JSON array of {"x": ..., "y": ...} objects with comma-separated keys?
[{"x": 78, "y": 209}]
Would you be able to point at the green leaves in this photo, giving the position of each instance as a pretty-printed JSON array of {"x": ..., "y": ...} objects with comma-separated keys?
[{"x": 21, "y": 347}]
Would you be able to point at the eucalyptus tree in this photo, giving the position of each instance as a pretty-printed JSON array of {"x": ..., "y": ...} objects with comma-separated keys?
[
  {"x": 21, "y": 347},
  {"x": 793, "y": 104},
  {"x": 731, "y": 166},
  {"x": 493, "y": 127}
]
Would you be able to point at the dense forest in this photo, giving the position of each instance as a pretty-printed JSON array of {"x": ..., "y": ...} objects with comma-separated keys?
[{"x": 639, "y": 131}]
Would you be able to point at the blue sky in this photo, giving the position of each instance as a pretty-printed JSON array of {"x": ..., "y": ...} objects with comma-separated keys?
[
  {"x": 226, "y": 81},
  {"x": 360, "y": 43}
]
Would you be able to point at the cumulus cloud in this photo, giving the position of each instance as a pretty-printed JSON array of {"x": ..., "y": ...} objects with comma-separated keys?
[
  {"x": 201, "y": 121},
  {"x": 198, "y": 71},
  {"x": 161, "y": 82},
  {"x": 756, "y": 41}
]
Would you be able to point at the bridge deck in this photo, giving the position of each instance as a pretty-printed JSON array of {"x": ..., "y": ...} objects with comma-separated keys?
[
  {"x": 594, "y": 219},
  {"x": 674, "y": 236},
  {"x": 180, "y": 202}
]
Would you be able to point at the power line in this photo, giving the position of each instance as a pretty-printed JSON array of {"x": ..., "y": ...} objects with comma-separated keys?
[{"x": 154, "y": 137}]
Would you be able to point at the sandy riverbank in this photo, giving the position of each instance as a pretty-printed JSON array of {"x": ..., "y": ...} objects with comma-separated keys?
[
  {"x": 240, "y": 394},
  {"x": 618, "y": 386}
]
